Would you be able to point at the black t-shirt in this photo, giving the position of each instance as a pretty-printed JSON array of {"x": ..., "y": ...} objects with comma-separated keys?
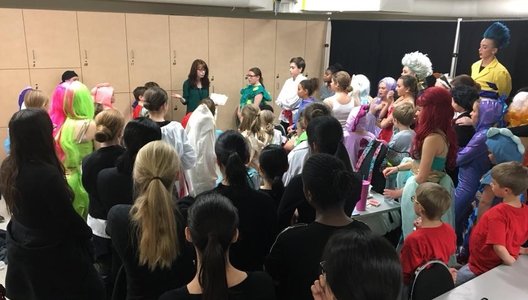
[
  {"x": 257, "y": 227},
  {"x": 293, "y": 198},
  {"x": 114, "y": 188},
  {"x": 91, "y": 166},
  {"x": 464, "y": 133},
  {"x": 143, "y": 283},
  {"x": 294, "y": 259},
  {"x": 257, "y": 286},
  {"x": 520, "y": 131}
]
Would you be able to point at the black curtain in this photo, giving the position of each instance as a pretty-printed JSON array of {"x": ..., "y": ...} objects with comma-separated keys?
[{"x": 375, "y": 48}]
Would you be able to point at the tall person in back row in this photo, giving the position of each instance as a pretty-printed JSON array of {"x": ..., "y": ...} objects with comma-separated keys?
[
  {"x": 288, "y": 100},
  {"x": 488, "y": 71}
]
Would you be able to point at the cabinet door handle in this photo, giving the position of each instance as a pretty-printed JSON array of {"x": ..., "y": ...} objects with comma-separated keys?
[
  {"x": 174, "y": 57},
  {"x": 212, "y": 78},
  {"x": 85, "y": 57},
  {"x": 277, "y": 75},
  {"x": 132, "y": 57},
  {"x": 34, "y": 59}
]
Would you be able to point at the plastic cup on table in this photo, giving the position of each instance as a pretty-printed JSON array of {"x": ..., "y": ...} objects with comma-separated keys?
[{"x": 362, "y": 203}]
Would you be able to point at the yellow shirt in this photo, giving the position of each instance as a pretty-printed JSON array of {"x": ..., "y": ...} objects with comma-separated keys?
[{"x": 494, "y": 72}]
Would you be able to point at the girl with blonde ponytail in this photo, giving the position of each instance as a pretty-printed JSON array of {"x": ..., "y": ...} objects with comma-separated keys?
[{"x": 148, "y": 235}]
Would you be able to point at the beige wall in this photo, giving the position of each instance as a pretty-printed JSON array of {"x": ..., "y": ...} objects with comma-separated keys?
[{"x": 128, "y": 50}]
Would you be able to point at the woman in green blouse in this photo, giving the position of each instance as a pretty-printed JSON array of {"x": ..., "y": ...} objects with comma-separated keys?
[
  {"x": 196, "y": 87},
  {"x": 254, "y": 92}
]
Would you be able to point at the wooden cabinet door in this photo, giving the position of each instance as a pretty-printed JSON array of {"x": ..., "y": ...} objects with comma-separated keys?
[
  {"x": 259, "y": 49},
  {"x": 13, "y": 53},
  {"x": 102, "y": 38},
  {"x": 291, "y": 42},
  {"x": 148, "y": 49},
  {"x": 186, "y": 46},
  {"x": 315, "y": 46},
  {"x": 226, "y": 39},
  {"x": 52, "y": 39},
  {"x": 11, "y": 84}
]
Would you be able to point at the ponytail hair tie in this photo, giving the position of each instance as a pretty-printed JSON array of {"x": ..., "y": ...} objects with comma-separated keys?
[{"x": 156, "y": 177}]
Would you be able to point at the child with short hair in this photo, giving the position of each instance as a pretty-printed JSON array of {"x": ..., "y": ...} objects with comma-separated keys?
[
  {"x": 432, "y": 239},
  {"x": 139, "y": 111},
  {"x": 400, "y": 143},
  {"x": 500, "y": 232}
]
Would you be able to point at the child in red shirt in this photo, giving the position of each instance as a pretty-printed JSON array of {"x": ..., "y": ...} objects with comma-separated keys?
[
  {"x": 432, "y": 238},
  {"x": 138, "y": 110},
  {"x": 500, "y": 232}
]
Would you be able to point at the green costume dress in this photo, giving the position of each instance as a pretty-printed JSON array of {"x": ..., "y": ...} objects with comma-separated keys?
[{"x": 407, "y": 181}]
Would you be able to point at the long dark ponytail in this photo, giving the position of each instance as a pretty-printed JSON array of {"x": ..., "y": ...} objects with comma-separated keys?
[
  {"x": 232, "y": 153},
  {"x": 213, "y": 223}
]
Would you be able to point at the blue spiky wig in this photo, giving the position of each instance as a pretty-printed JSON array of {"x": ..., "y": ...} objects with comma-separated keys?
[{"x": 499, "y": 33}]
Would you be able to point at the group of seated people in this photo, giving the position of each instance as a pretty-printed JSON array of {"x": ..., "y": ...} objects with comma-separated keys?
[{"x": 165, "y": 211}]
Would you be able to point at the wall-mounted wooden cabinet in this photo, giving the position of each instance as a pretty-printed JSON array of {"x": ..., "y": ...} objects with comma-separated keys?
[
  {"x": 103, "y": 46},
  {"x": 226, "y": 52},
  {"x": 13, "y": 53},
  {"x": 148, "y": 49},
  {"x": 52, "y": 39}
]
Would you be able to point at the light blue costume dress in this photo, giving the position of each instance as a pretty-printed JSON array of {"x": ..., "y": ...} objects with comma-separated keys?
[{"x": 406, "y": 180}]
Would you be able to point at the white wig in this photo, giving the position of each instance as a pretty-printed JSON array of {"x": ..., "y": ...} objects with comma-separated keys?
[
  {"x": 418, "y": 63},
  {"x": 361, "y": 83}
]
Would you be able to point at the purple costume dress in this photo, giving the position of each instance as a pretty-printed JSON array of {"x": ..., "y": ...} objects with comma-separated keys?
[
  {"x": 356, "y": 135},
  {"x": 473, "y": 162}
]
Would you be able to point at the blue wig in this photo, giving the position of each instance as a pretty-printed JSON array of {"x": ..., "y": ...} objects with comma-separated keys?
[{"x": 499, "y": 33}]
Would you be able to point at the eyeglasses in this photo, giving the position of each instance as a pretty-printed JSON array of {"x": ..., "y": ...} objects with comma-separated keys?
[
  {"x": 249, "y": 75},
  {"x": 413, "y": 199}
]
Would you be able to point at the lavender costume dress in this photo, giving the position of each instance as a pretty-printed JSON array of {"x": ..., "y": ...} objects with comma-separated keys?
[
  {"x": 356, "y": 135},
  {"x": 473, "y": 162}
]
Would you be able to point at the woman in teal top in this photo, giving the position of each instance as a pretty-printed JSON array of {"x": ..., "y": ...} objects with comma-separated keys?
[
  {"x": 254, "y": 92},
  {"x": 196, "y": 87},
  {"x": 433, "y": 149}
]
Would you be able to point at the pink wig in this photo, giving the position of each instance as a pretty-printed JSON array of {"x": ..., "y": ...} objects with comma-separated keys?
[
  {"x": 435, "y": 117},
  {"x": 103, "y": 94},
  {"x": 56, "y": 109}
]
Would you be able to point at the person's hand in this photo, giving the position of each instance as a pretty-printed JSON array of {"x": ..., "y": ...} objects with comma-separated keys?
[
  {"x": 523, "y": 251},
  {"x": 390, "y": 96},
  {"x": 454, "y": 273},
  {"x": 464, "y": 121},
  {"x": 390, "y": 170},
  {"x": 178, "y": 96},
  {"x": 393, "y": 194},
  {"x": 320, "y": 290}
]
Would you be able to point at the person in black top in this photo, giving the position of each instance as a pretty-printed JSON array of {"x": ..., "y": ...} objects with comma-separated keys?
[
  {"x": 114, "y": 185},
  {"x": 149, "y": 235},
  {"x": 48, "y": 242},
  {"x": 256, "y": 210},
  {"x": 212, "y": 228},
  {"x": 294, "y": 259},
  {"x": 273, "y": 162},
  {"x": 109, "y": 125},
  {"x": 358, "y": 266},
  {"x": 463, "y": 98},
  {"x": 325, "y": 135}
]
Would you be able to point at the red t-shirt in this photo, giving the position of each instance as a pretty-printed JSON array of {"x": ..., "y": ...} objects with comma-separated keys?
[
  {"x": 137, "y": 111},
  {"x": 504, "y": 225},
  {"x": 426, "y": 244}
]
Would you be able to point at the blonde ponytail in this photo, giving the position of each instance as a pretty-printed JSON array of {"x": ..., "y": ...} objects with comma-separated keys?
[{"x": 155, "y": 171}]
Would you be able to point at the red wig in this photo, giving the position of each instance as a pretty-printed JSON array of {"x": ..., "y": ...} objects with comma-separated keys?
[{"x": 436, "y": 116}]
